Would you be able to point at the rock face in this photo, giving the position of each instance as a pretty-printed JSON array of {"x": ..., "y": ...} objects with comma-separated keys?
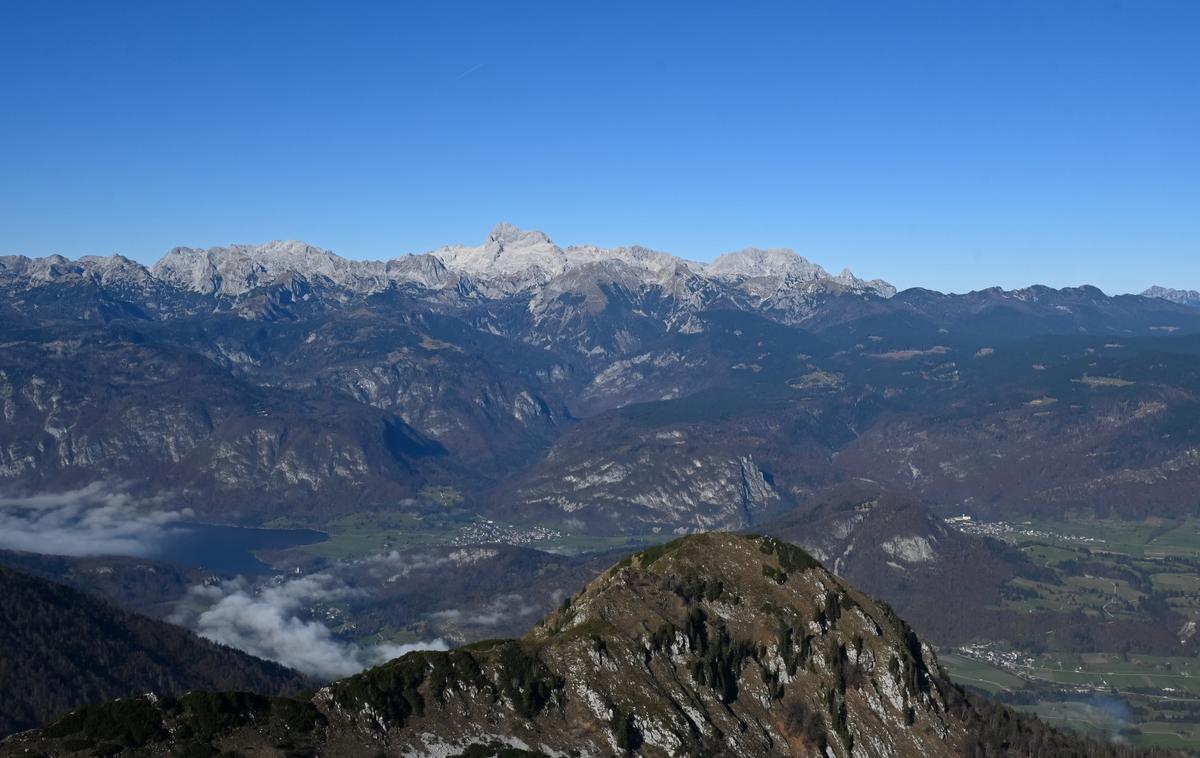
[
  {"x": 148, "y": 413},
  {"x": 714, "y": 644},
  {"x": 656, "y": 492}
]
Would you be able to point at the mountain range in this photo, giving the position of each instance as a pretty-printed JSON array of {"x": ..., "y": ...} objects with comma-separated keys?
[
  {"x": 284, "y": 381},
  {"x": 509, "y": 262}
]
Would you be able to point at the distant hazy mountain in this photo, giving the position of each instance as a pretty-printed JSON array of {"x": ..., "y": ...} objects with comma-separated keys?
[
  {"x": 711, "y": 645},
  {"x": 1183, "y": 297},
  {"x": 62, "y": 648}
]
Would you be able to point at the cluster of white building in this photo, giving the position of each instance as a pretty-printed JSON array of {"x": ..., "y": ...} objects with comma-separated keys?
[
  {"x": 486, "y": 531},
  {"x": 1001, "y": 529}
]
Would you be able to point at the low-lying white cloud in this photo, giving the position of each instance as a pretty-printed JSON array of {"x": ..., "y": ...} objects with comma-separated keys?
[
  {"x": 93, "y": 520},
  {"x": 277, "y": 622},
  {"x": 393, "y": 566},
  {"x": 502, "y": 609}
]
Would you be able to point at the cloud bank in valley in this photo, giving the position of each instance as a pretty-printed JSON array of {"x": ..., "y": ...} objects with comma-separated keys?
[
  {"x": 274, "y": 622},
  {"x": 93, "y": 520},
  {"x": 500, "y": 610}
]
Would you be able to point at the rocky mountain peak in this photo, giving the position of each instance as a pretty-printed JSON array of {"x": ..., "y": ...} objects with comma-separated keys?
[
  {"x": 505, "y": 234},
  {"x": 115, "y": 270},
  {"x": 770, "y": 273},
  {"x": 754, "y": 262},
  {"x": 510, "y": 260},
  {"x": 236, "y": 269},
  {"x": 1183, "y": 297}
]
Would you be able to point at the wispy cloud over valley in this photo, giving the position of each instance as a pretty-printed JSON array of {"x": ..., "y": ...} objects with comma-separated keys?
[
  {"x": 281, "y": 621},
  {"x": 92, "y": 520}
]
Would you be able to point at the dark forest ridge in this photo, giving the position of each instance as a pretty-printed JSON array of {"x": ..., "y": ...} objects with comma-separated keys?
[{"x": 62, "y": 648}]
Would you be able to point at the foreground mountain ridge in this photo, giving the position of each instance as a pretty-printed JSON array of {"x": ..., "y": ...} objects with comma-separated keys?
[{"x": 715, "y": 644}]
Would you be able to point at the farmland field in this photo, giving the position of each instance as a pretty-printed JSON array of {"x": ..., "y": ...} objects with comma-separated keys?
[{"x": 1110, "y": 571}]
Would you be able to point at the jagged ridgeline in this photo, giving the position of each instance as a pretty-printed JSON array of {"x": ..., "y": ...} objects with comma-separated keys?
[{"x": 714, "y": 644}]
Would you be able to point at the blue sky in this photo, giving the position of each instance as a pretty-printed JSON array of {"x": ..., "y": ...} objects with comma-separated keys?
[{"x": 954, "y": 145}]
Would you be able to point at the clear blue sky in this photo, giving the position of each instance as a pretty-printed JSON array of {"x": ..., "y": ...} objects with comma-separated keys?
[{"x": 954, "y": 145}]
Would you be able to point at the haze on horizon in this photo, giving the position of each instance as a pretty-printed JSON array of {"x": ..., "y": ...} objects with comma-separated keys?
[{"x": 951, "y": 146}]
